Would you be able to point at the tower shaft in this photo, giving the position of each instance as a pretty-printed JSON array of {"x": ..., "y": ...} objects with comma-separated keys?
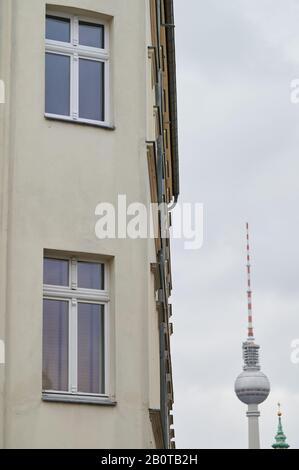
[{"x": 253, "y": 415}]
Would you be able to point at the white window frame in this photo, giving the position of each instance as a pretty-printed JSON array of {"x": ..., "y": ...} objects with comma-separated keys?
[
  {"x": 76, "y": 52},
  {"x": 74, "y": 295}
]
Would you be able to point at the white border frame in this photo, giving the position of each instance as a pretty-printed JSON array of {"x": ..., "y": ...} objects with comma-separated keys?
[{"x": 77, "y": 52}]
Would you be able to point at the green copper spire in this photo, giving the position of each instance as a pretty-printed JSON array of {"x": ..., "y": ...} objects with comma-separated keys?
[{"x": 280, "y": 437}]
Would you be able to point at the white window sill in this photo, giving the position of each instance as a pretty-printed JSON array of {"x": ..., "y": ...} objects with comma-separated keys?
[
  {"x": 67, "y": 119},
  {"x": 81, "y": 399}
]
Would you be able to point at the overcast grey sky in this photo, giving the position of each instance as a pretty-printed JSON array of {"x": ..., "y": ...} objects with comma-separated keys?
[{"x": 239, "y": 153}]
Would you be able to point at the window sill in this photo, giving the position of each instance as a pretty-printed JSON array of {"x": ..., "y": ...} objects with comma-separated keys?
[
  {"x": 81, "y": 399},
  {"x": 78, "y": 122}
]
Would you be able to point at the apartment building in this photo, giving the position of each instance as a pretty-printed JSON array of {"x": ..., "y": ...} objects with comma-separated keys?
[{"x": 90, "y": 113}]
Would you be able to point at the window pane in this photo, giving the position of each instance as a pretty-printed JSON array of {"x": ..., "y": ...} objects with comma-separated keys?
[
  {"x": 55, "y": 345},
  {"x": 91, "y": 90},
  {"x": 56, "y": 272},
  {"x": 58, "y": 84},
  {"x": 58, "y": 29},
  {"x": 91, "y": 368},
  {"x": 91, "y": 35},
  {"x": 90, "y": 275}
]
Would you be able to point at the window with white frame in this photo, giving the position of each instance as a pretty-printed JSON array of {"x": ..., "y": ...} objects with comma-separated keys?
[
  {"x": 75, "y": 327},
  {"x": 77, "y": 68}
]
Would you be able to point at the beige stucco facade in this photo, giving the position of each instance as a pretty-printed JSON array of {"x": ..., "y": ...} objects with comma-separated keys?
[{"x": 52, "y": 176}]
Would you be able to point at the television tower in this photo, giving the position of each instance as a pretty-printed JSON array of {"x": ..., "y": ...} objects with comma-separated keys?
[{"x": 252, "y": 386}]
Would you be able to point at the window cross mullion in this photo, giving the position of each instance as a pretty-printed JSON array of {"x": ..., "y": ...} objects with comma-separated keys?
[
  {"x": 75, "y": 30},
  {"x": 74, "y": 276},
  {"x": 73, "y": 347},
  {"x": 75, "y": 86}
]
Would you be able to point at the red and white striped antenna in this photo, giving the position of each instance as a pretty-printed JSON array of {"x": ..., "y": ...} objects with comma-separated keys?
[{"x": 249, "y": 292}]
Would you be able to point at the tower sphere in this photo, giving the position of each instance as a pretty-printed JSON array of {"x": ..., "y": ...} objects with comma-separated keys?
[{"x": 252, "y": 387}]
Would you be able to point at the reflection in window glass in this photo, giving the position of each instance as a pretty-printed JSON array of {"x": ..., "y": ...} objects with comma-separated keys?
[
  {"x": 91, "y": 35},
  {"x": 55, "y": 345},
  {"x": 58, "y": 84},
  {"x": 56, "y": 272},
  {"x": 58, "y": 29},
  {"x": 90, "y": 275},
  {"x": 91, "y": 369},
  {"x": 91, "y": 90}
]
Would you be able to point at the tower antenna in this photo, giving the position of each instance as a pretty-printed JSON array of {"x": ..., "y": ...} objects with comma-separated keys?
[{"x": 249, "y": 291}]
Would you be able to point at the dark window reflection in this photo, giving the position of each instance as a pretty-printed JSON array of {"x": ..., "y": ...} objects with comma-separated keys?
[
  {"x": 91, "y": 35},
  {"x": 58, "y": 29},
  {"x": 91, "y": 369},
  {"x": 91, "y": 90},
  {"x": 90, "y": 275},
  {"x": 58, "y": 84},
  {"x": 56, "y": 272},
  {"x": 55, "y": 345}
]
